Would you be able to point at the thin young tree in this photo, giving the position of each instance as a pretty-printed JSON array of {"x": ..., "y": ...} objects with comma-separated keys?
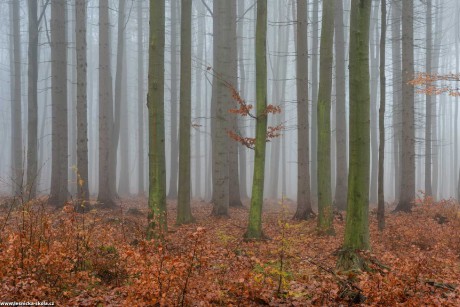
[
  {"x": 141, "y": 98},
  {"x": 428, "y": 99},
  {"x": 357, "y": 219},
  {"x": 254, "y": 230},
  {"x": 325, "y": 214},
  {"x": 381, "y": 194},
  {"x": 155, "y": 102},
  {"x": 184, "y": 211},
  {"x": 304, "y": 210}
]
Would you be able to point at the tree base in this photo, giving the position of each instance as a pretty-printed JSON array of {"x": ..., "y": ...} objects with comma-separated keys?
[
  {"x": 185, "y": 220},
  {"x": 303, "y": 215},
  {"x": 250, "y": 237},
  {"x": 351, "y": 260}
]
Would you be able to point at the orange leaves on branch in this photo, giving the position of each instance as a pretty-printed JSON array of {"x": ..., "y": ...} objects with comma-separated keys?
[
  {"x": 425, "y": 84},
  {"x": 248, "y": 142}
]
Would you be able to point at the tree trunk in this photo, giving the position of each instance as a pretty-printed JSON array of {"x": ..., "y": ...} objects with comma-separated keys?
[
  {"x": 59, "y": 173},
  {"x": 325, "y": 216},
  {"x": 396, "y": 85},
  {"x": 357, "y": 220},
  {"x": 340, "y": 199},
  {"x": 124, "y": 175},
  {"x": 141, "y": 99},
  {"x": 407, "y": 188},
  {"x": 184, "y": 212},
  {"x": 304, "y": 210},
  {"x": 82, "y": 105},
  {"x": 32, "y": 103},
  {"x": 381, "y": 191},
  {"x": 16, "y": 109},
  {"x": 172, "y": 193},
  {"x": 106, "y": 192},
  {"x": 155, "y": 100},
  {"x": 254, "y": 230},
  {"x": 428, "y": 100},
  {"x": 314, "y": 103}
]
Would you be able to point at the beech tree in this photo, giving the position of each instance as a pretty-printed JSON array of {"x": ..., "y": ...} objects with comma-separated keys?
[
  {"x": 357, "y": 219},
  {"x": 325, "y": 214},
  {"x": 155, "y": 103}
]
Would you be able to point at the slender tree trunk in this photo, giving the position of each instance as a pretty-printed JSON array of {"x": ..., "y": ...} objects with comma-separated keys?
[
  {"x": 32, "y": 103},
  {"x": 381, "y": 191},
  {"x": 172, "y": 193},
  {"x": 304, "y": 210},
  {"x": 254, "y": 230},
  {"x": 374, "y": 98},
  {"x": 397, "y": 89},
  {"x": 232, "y": 42},
  {"x": 357, "y": 220},
  {"x": 82, "y": 105},
  {"x": 124, "y": 175},
  {"x": 59, "y": 173},
  {"x": 155, "y": 100},
  {"x": 141, "y": 98},
  {"x": 16, "y": 123},
  {"x": 314, "y": 99},
  {"x": 106, "y": 192},
  {"x": 340, "y": 199},
  {"x": 325, "y": 216},
  {"x": 184, "y": 212},
  {"x": 428, "y": 100},
  {"x": 407, "y": 188}
]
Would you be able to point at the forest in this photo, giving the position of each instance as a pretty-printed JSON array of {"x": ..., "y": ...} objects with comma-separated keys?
[{"x": 229, "y": 152}]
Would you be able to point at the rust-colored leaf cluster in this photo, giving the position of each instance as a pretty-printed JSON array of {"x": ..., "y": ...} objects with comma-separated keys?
[{"x": 427, "y": 84}]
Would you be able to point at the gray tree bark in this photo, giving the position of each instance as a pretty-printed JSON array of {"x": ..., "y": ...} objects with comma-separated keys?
[{"x": 141, "y": 100}]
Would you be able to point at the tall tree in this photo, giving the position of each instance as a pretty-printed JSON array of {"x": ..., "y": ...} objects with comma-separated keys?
[
  {"x": 396, "y": 85},
  {"x": 428, "y": 98},
  {"x": 314, "y": 99},
  {"x": 172, "y": 193},
  {"x": 381, "y": 192},
  {"x": 16, "y": 125},
  {"x": 140, "y": 98},
  {"x": 59, "y": 172},
  {"x": 357, "y": 219},
  {"x": 407, "y": 187},
  {"x": 106, "y": 156},
  {"x": 325, "y": 216},
  {"x": 155, "y": 102},
  {"x": 119, "y": 73},
  {"x": 304, "y": 209},
  {"x": 82, "y": 104},
  {"x": 340, "y": 112},
  {"x": 254, "y": 230},
  {"x": 184, "y": 212}
]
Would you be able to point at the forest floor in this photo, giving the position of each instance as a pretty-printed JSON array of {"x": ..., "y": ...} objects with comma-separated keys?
[{"x": 101, "y": 258}]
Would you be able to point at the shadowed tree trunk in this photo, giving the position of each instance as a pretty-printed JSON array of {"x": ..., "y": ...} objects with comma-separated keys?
[
  {"x": 106, "y": 194},
  {"x": 314, "y": 103},
  {"x": 428, "y": 99},
  {"x": 141, "y": 99},
  {"x": 254, "y": 230},
  {"x": 407, "y": 188},
  {"x": 59, "y": 172},
  {"x": 325, "y": 216},
  {"x": 155, "y": 100},
  {"x": 82, "y": 121},
  {"x": 16, "y": 125},
  {"x": 340, "y": 199},
  {"x": 304, "y": 210},
  {"x": 184, "y": 212},
  {"x": 357, "y": 219}
]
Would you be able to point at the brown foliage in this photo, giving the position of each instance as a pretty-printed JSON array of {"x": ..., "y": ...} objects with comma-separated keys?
[{"x": 102, "y": 257}]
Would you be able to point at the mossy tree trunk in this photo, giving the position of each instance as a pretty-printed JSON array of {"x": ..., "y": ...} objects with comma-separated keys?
[
  {"x": 155, "y": 103},
  {"x": 184, "y": 212},
  {"x": 357, "y": 220},
  {"x": 254, "y": 230},
  {"x": 325, "y": 214}
]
